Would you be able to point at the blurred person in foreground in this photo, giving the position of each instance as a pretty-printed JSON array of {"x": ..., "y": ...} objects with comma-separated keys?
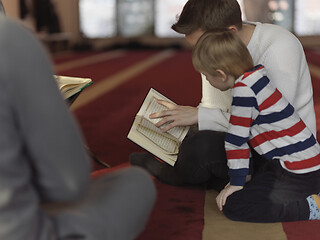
[{"x": 45, "y": 188}]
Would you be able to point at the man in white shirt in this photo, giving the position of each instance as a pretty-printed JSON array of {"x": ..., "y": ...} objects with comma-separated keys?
[{"x": 201, "y": 157}]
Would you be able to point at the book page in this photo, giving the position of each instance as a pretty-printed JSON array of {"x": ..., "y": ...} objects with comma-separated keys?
[
  {"x": 154, "y": 134},
  {"x": 70, "y": 82},
  {"x": 71, "y": 85},
  {"x": 153, "y": 106},
  {"x": 164, "y": 145}
]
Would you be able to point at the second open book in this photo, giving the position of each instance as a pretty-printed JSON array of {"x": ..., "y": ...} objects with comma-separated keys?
[
  {"x": 164, "y": 145},
  {"x": 69, "y": 86}
]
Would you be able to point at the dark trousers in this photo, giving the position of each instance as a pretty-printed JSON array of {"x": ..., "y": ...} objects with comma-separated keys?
[
  {"x": 273, "y": 195},
  {"x": 202, "y": 159}
]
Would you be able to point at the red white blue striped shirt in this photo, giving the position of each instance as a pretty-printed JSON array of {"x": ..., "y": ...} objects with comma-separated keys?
[{"x": 263, "y": 118}]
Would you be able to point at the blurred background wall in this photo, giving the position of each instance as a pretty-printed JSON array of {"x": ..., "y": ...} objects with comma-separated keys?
[{"x": 101, "y": 23}]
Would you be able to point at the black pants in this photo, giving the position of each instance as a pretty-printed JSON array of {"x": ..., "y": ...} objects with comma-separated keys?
[
  {"x": 273, "y": 195},
  {"x": 202, "y": 159}
]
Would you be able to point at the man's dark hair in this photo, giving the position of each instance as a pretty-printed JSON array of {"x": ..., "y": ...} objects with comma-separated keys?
[{"x": 207, "y": 15}]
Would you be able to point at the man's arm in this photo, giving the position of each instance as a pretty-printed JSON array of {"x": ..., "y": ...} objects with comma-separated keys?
[
  {"x": 212, "y": 113},
  {"x": 213, "y": 119},
  {"x": 176, "y": 115},
  {"x": 214, "y": 109}
]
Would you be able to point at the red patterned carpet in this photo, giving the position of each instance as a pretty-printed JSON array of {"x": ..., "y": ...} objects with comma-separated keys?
[{"x": 105, "y": 120}]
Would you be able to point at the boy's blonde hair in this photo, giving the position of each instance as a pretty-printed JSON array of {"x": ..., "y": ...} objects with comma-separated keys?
[{"x": 221, "y": 49}]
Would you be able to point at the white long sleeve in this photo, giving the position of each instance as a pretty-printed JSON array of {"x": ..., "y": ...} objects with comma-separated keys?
[{"x": 214, "y": 108}]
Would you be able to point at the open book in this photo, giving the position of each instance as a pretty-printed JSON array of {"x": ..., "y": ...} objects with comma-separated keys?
[
  {"x": 70, "y": 86},
  {"x": 164, "y": 145}
]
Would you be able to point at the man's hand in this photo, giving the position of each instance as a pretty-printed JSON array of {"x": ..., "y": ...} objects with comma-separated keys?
[
  {"x": 176, "y": 115},
  {"x": 225, "y": 193}
]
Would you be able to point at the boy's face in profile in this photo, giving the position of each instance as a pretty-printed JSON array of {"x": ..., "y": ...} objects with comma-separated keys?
[{"x": 193, "y": 38}]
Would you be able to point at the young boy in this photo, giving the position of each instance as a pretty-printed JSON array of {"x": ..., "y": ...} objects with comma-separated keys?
[{"x": 260, "y": 117}]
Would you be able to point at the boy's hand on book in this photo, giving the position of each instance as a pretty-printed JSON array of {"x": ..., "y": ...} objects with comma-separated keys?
[{"x": 176, "y": 115}]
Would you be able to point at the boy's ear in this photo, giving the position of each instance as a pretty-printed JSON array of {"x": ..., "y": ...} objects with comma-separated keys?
[
  {"x": 233, "y": 28},
  {"x": 222, "y": 75}
]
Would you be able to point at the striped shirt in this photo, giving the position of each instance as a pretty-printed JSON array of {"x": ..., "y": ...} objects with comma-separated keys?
[{"x": 263, "y": 118}]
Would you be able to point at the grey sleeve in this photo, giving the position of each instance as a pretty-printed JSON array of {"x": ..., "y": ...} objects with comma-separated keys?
[{"x": 51, "y": 138}]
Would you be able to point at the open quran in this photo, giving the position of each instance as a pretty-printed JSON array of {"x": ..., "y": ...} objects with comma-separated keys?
[{"x": 164, "y": 145}]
